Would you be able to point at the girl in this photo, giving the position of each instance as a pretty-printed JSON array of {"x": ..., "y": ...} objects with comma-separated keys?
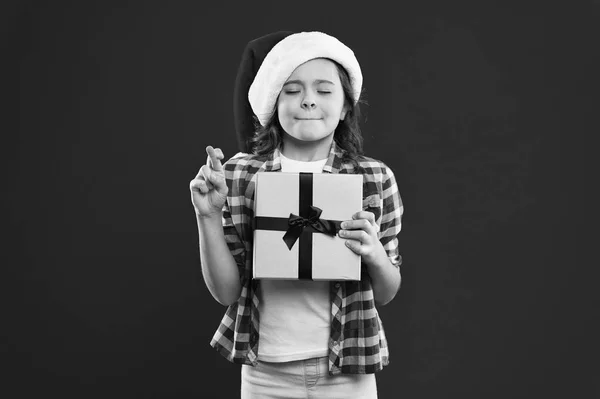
[{"x": 298, "y": 338}]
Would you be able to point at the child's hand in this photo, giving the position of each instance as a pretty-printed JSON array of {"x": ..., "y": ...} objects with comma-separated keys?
[
  {"x": 208, "y": 188},
  {"x": 361, "y": 235}
]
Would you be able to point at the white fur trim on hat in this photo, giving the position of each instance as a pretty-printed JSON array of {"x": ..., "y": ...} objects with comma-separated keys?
[{"x": 289, "y": 54}]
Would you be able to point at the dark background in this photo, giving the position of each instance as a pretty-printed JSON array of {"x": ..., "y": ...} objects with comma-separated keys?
[{"x": 481, "y": 109}]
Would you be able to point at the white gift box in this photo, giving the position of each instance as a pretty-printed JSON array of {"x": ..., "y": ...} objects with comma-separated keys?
[{"x": 283, "y": 204}]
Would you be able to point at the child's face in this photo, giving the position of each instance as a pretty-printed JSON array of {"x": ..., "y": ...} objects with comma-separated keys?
[{"x": 311, "y": 102}]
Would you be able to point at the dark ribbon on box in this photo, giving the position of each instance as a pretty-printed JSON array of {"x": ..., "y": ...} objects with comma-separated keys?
[
  {"x": 297, "y": 224},
  {"x": 300, "y": 227}
]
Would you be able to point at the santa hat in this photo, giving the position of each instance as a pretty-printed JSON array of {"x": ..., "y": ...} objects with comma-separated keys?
[{"x": 268, "y": 61}]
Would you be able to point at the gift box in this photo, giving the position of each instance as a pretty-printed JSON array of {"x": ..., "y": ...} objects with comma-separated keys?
[{"x": 296, "y": 220}]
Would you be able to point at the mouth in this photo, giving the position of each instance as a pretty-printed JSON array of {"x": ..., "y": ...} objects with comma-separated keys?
[{"x": 309, "y": 119}]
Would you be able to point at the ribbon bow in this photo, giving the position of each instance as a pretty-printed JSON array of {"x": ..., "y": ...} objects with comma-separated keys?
[{"x": 297, "y": 224}]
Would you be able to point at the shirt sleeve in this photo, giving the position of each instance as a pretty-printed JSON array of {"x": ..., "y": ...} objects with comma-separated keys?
[
  {"x": 391, "y": 217},
  {"x": 233, "y": 240}
]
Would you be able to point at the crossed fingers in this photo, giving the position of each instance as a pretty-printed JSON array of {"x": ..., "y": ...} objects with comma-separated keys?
[{"x": 213, "y": 166}]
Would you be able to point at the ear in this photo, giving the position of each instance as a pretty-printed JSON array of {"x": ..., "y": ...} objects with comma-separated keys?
[{"x": 344, "y": 112}]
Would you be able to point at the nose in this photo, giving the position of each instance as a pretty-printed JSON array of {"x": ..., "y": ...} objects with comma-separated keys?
[{"x": 308, "y": 102}]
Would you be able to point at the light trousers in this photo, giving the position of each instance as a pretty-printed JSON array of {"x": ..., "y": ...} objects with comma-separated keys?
[{"x": 306, "y": 379}]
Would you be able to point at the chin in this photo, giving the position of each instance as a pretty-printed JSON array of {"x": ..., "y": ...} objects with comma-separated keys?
[{"x": 308, "y": 136}]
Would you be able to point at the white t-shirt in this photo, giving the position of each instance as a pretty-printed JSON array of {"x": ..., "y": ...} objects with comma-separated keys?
[{"x": 295, "y": 315}]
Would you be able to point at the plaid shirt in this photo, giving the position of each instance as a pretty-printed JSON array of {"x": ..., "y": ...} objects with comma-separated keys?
[{"x": 357, "y": 343}]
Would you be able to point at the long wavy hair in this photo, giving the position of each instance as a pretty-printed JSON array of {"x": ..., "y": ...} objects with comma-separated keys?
[{"x": 347, "y": 134}]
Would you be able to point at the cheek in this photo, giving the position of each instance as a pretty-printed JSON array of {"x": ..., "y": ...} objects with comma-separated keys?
[
  {"x": 284, "y": 115},
  {"x": 283, "y": 109},
  {"x": 335, "y": 113},
  {"x": 336, "y": 106}
]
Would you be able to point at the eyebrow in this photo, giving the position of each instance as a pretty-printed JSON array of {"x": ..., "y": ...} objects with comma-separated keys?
[{"x": 299, "y": 82}]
